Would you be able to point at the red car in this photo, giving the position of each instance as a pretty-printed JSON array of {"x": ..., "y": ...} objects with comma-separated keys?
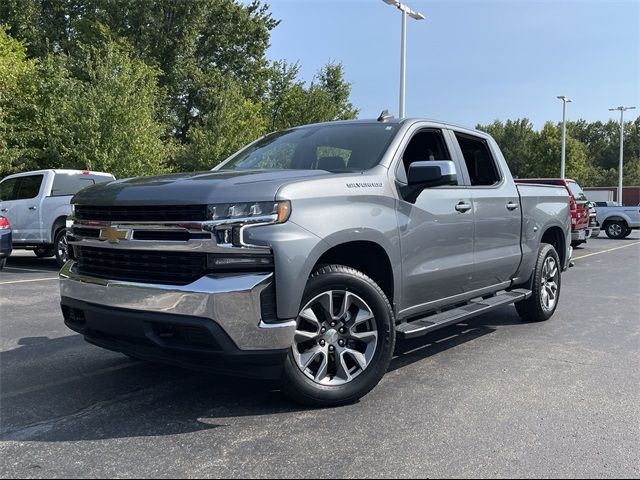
[{"x": 579, "y": 206}]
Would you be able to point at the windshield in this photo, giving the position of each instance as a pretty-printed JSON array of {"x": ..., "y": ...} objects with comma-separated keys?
[
  {"x": 334, "y": 148},
  {"x": 578, "y": 194}
]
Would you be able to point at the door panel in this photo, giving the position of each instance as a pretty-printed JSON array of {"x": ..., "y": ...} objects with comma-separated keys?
[
  {"x": 436, "y": 233},
  {"x": 436, "y": 243},
  {"x": 497, "y": 212},
  {"x": 23, "y": 208},
  {"x": 497, "y": 235}
]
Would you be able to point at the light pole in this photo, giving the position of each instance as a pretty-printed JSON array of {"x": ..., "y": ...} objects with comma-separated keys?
[
  {"x": 565, "y": 100},
  {"x": 620, "y": 164},
  {"x": 403, "y": 45}
]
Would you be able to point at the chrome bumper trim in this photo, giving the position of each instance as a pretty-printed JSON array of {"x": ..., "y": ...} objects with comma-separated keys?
[{"x": 233, "y": 302}]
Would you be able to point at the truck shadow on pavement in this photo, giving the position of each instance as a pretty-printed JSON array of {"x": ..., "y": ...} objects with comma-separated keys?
[
  {"x": 33, "y": 262},
  {"x": 59, "y": 390}
]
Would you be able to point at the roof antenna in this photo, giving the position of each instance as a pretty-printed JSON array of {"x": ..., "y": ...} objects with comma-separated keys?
[{"x": 385, "y": 116}]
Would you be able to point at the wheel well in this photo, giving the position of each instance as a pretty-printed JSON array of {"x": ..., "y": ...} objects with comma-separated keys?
[
  {"x": 615, "y": 219},
  {"x": 367, "y": 257},
  {"x": 554, "y": 236},
  {"x": 61, "y": 222}
]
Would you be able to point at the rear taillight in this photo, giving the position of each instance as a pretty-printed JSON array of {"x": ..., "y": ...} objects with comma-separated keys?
[{"x": 4, "y": 223}]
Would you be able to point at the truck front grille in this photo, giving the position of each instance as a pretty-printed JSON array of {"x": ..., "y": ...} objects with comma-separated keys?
[
  {"x": 169, "y": 268},
  {"x": 142, "y": 213}
]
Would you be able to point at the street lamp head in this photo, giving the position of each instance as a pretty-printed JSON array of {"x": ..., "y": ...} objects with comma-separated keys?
[
  {"x": 621, "y": 108},
  {"x": 405, "y": 9},
  {"x": 564, "y": 98}
]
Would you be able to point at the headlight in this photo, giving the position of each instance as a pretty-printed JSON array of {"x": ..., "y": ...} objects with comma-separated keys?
[{"x": 250, "y": 212}]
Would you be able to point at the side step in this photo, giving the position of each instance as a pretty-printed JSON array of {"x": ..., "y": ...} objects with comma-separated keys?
[{"x": 474, "y": 308}]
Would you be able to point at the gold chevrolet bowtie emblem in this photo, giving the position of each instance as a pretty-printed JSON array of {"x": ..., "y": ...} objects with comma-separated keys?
[{"x": 113, "y": 234}]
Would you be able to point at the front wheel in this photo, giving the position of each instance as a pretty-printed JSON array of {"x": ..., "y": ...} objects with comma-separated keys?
[
  {"x": 627, "y": 233},
  {"x": 543, "y": 301},
  {"x": 61, "y": 247},
  {"x": 344, "y": 339},
  {"x": 616, "y": 229},
  {"x": 3, "y": 262}
]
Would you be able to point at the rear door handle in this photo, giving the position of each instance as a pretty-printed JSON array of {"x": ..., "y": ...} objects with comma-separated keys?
[
  {"x": 4, "y": 210},
  {"x": 33, "y": 208},
  {"x": 512, "y": 206},
  {"x": 463, "y": 207}
]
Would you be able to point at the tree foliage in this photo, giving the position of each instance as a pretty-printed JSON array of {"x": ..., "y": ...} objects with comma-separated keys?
[
  {"x": 592, "y": 152},
  {"x": 145, "y": 86}
]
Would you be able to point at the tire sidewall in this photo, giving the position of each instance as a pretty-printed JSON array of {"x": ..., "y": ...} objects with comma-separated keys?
[
  {"x": 59, "y": 234},
  {"x": 623, "y": 230},
  {"x": 546, "y": 251},
  {"x": 305, "y": 389}
]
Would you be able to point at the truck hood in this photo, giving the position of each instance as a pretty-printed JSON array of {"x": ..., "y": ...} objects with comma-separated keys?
[{"x": 194, "y": 188}]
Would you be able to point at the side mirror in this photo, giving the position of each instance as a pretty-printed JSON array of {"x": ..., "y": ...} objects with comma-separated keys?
[{"x": 434, "y": 173}]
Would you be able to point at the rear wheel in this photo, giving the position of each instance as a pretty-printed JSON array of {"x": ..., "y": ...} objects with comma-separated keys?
[
  {"x": 546, "y": 287},
  {"x": 627, "y": 233},
  {"x": 344, "y": 339},
  {"x": 61, "y": 247},
  {"x": 616, "y": 229},
  {"x": 3, "y": 262}
]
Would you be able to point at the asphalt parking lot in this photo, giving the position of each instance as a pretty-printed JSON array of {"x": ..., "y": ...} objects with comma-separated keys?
[{"x": 492, "y": 398}]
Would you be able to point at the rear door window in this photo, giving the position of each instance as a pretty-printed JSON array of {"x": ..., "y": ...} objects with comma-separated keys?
[
  {"x": 8, "y": 189},
  {"x": 479, "y": 160},
  {"x": 64, "y": 185},
  {"x": 29, "y": 187}
]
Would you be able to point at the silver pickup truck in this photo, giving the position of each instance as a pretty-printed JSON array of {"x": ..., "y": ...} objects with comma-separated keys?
[
  {"x": 306, "y": 254},
  {"x": 617, "y": 221}
]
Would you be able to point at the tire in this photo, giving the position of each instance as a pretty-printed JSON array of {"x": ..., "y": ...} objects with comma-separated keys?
[
  {"x": 627, "y": 233},
  {"x": 3, "y": 262},
  {"x": 337, "y": 359},
  {"x": 616, "y": 229},
  {"x": 133, "y": 358},
  {"x": 60, "y": 247},
  {"x": 541, "y": 305},
  {"x": 44, "y": 252}
]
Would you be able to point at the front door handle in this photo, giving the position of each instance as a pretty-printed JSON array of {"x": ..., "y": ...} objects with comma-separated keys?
[
  {"x": 33, "y": 208},
  {"x": 3, "y": 210},
  {"x": 463, "y": 207},
  {"x": 512, "y": 206}
]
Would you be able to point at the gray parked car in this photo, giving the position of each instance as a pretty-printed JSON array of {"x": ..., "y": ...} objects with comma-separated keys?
[{"x": 306, "y": 254}]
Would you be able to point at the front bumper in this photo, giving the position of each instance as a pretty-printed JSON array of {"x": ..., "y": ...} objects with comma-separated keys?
[{"x": 130, "y": 317}]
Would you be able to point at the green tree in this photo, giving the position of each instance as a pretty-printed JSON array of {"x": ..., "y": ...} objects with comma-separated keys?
[
  {"x": 110, "y": 114},
  {"x": 516, "y": 139},
  {"x": 230, "y": 122},
  {"x": 18, "y": 83}
]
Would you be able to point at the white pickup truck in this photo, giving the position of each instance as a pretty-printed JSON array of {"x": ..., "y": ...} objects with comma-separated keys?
[{"x": 37, "y": 205}]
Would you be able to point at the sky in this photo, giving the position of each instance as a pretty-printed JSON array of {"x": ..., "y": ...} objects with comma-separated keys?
[{"x": 472, "y": 61}]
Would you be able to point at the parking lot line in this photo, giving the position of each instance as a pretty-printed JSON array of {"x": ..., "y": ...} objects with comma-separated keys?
[
  {"x": 28, "y": 281},
  {"x": 605, "y": 251}
]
